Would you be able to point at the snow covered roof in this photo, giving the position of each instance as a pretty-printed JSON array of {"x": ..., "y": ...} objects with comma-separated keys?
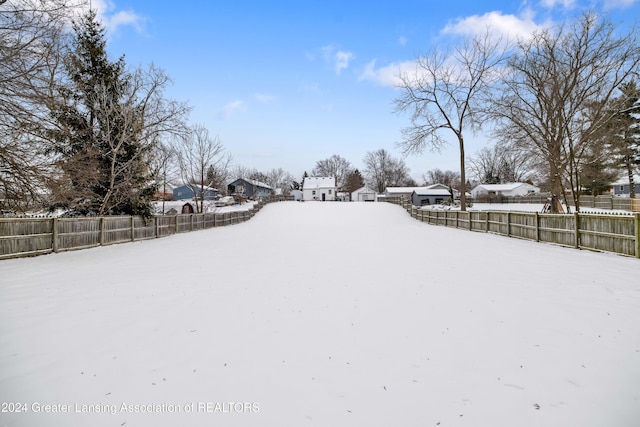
[
  {"x": 429, "y": 191},
  {"x": 399, "y": 190},
  {"x": 196, "y": 187},
  {"x": 319, "y": 182},
  {"x": 502, "y": 187},
  {"x": 364, "y": 189},
  {"x": 625, "y": 180},
  {"x": 254, "y": 182}
]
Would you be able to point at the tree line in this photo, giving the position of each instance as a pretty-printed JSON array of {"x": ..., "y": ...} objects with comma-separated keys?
[{"x": 562, "y": 104}]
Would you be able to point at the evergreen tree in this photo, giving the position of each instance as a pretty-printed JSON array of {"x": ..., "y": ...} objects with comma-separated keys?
[
  {"x": 625, "y": 142},
  {"x": 98, "y": 131},
  {"x": 354, "y": 181}
]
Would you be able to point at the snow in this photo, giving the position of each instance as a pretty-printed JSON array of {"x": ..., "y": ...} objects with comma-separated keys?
[{"x": 322, "y": 314}]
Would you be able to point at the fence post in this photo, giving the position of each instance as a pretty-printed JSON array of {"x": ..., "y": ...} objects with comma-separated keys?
[
  {"x": 637, "y": 221},
  {"x": 133, "y": 229},
  {"x": 156, "y": 226},
  {"x": 577, "y": 230},
  {"x": 537, "y": 227},
  {"x": 486, "y": 224},
  {"x": 101, "y": 239},
  {"x": 509, "y": 224},
  {"x": 54, "y": 235}
]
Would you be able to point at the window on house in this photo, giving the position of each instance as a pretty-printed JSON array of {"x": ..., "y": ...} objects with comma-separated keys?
[
  {"x": 313, "y": 192},
  {"x": 329, "y": 191},
  {"x": 622, "y": 188}
]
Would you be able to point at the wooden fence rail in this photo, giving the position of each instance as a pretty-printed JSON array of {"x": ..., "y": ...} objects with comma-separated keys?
[
  {"x": 619, "y": 234},
  {"x": 600, "y": 202},
  {"x": 21, "y": 237}
]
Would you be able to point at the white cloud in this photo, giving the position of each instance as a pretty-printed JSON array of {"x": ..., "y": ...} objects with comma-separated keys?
[
  {"x": 232, "y": 108},
  {"x": 617, "y": 4},
  {"x": 264, "y": 98},
  {"x": 550, "y": 4},
  {"x": 112, "y": 19},
  {"x": 388, "y": 74},
  {"x": 339, "y": 59},
  {"x": 311, "y": 88},
  {"x": 509, "y": 26},
  {"x": 402, "y": 41},
  {"x": 342, "y": 60}
]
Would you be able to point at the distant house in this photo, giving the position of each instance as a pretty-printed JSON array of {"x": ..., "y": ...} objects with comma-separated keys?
[
  {"x": 407, "y": 192},
  {"x": 512, "y": 189},
  {"x": 192, "y": 191},
  {"x": 364, "y": 194},
  {"x": 250, "y": 188},
  {"x": 404, "y": 192},
  {"x": 456, "y": 193},
  {"x": 424, "y": 196},
  {"x": 296, "y": 194},
  {"x": 319, "y": 188},
  {"x": 622, "y": 187}
]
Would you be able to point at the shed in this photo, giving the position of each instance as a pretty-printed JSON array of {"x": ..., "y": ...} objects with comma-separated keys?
[
  {"x": 187, "y": 208},
  {"x": 424, "y": 196}
]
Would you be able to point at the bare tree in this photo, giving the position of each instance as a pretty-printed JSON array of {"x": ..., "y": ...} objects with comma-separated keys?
[
  {"x": 436, "y": 176},
  {"x": 197, "y": 154},
  {"x": 555, "y": 100},
  {"x": 164, "y": 167},
  {"x": 383, "y": 170},
  {"x": 448, "y": 91},
  {"x": 335, "y": 166},
  {"x": 278, "y": 178},
  {"x": 502, "y": 163},
  {"x": 32, "y": 34}
]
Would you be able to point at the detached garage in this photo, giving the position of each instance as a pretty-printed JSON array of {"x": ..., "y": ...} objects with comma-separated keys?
[
  {"x": 363, "y": 194},
  {"x": 430, "y": 196}
]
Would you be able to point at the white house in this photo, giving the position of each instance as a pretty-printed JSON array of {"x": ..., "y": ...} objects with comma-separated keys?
[
  {"x": 363, "y": 194},
  {"x": 511, "y": 189},
  {"x": 319, "y": 188}
]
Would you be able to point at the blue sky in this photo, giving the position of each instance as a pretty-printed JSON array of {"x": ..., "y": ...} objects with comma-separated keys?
[{"x": 288, "y": 83}]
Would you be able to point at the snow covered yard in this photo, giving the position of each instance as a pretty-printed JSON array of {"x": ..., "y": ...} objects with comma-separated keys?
[{"x": 322, "y": 314}]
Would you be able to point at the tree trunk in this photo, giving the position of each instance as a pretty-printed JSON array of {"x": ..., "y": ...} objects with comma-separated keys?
[
  {"x": 556, "y": 184},
  {"x": 463, "y": 179},
  {"x": 632, "y": 185}
]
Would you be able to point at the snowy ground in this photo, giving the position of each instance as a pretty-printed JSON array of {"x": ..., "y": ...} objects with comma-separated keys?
[{"x": 322, "y": 314}]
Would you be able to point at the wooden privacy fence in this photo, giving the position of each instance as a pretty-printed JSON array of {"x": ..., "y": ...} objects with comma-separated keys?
[
  {"x": 600, "y": 232},
  {"x": 600, "y": 202},
  {"x": 21, "y": 237}
]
